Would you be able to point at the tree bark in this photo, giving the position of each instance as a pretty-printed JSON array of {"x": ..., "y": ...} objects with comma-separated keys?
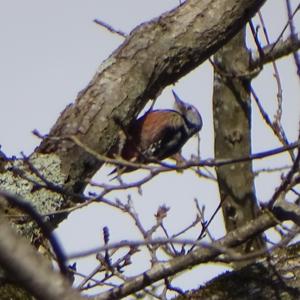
[
  {"x": 232, "y": 125},
  {"x": 153, "y": 56},
  {"x": 26, "y": 268},
  {"x": 275, "y": 277}
]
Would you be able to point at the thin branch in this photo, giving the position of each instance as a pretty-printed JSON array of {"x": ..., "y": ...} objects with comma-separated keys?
[
  {"x": 254, "y": 32},
  {"x": 285, "y": 210},
  {"x": 285, "y": 27},
  {"x": 275, "y": 126},
  {"x": 205, "y": 226},
  {"x": 29, "y": 269},
  {"x": 150, "y": 242},
  {"x": 154, "y": 171},
  {"x": 200, "y": 255},
  {"x": 293, "y": 32},
  {"x": 110, "y": 28},
  {"x": 167, "y": 167},
  {"x": 275, "y": 51},
  {"x": 286, "y": 181},
  {"x": 26, "y": 207},
  {"x": 277, "y": 122}
]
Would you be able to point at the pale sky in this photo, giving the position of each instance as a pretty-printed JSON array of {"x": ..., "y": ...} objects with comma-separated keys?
[{"x": 49, "y": 52}]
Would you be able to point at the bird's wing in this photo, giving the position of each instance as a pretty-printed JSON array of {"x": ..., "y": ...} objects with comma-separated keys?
[
  {"x": 156, "y": 135},
  {"x": 162, "y": 134}
]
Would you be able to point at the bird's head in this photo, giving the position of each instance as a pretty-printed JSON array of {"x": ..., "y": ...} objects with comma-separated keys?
[{"x": 190, "y": 113}]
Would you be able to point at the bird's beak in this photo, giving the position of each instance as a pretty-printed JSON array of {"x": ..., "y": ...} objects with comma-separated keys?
[{"x": 179, "y": 103}]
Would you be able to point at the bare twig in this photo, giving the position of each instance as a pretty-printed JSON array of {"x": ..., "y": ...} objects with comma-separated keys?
[
  {"x": 206, "y": 225},
  {"x": 286, "y": 181},
  {"x": 284, "y": 28},
  {"x": 202, "y": 254},
  {"x": 254, "y": 32},
  {"x": 276, "y": 125},
  {"x": 277, "y": 120},
  {"x": 293, "y": 32},
  {"x": 110, "y": 28}
]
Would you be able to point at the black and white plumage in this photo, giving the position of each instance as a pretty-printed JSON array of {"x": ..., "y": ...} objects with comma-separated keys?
[{"x": 160, "y": 134}]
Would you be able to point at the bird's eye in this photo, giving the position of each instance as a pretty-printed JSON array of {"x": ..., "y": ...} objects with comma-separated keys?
[{"x": 192, "y": 109}]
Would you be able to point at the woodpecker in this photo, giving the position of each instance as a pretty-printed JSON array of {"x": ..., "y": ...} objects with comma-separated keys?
[{"x": 159, "y": 134}]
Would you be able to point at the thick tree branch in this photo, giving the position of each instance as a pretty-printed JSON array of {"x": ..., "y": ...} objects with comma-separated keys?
[
  {"x": 153, "y": 56},
  {"x": 276, "y": 277},
  {"x": 28, "y": 209},
  {"x": 29, "y": 269},
  {"x": 232, "y": 125}
]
